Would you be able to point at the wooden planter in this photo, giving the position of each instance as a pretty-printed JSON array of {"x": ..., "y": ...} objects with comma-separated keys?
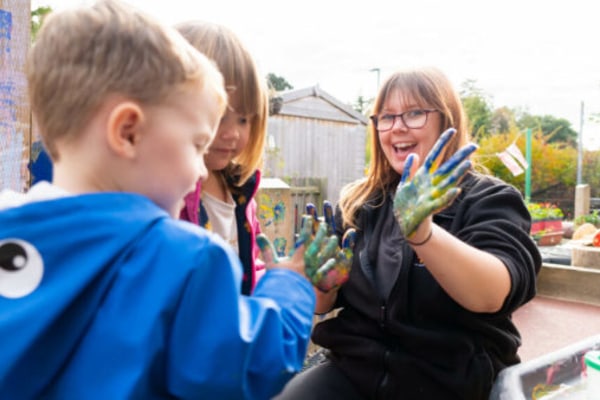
[
  {"x": 549, "y": 239},
  {"x": 548, "y": 226},
  {"x": 547, "y": 232}
]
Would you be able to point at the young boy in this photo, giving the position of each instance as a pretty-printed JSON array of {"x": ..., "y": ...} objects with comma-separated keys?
[{"x": 102, "y": 293}]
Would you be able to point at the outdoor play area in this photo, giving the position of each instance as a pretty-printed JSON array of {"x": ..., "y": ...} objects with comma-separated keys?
[{"x": 560, "y": 327}]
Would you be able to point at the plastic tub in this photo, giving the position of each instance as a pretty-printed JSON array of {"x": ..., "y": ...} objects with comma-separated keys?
[
  {"x": 563, "y": 374},
  {"x": 592, "y": 363}
]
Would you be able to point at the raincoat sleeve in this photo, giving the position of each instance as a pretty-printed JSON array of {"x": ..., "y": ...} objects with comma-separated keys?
[{"x": 228, "y": 346}]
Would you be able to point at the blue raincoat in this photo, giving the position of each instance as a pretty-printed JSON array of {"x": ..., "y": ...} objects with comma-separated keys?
[{"x": 104, "y": 296}]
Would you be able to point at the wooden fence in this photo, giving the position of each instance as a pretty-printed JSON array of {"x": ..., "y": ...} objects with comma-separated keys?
[{"x": 304, "y": 191}]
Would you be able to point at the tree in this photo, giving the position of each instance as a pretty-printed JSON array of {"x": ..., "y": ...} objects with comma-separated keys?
[
  {"x": 503, "y": 120},
  {"x": 591, "y": 171},
  {"x": 552, "y": 163},
  {"x": 362, "y": 105},
  {"x": 37, "y": 17},
  {"x": 556, "y": 130},
  {"x": 477, "y": 107},
  {"x": 278, "y": 83}
]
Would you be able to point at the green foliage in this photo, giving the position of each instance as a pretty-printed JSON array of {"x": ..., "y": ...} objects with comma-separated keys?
[
  {"x": 363, "y": 105},
  {"x": 590, "y": 171},
  {"x": 37, "y": 17},
  {"x": 503, "y": 120},
  {"x": 487, "y": 157},
  {"x": 278, "y": 83},
  {"x": 591, "y": 218},
  {"x": 484, "y": 119},
  {"x": 544, "y": 211},
  {"x": 552, "y": 163},
  {"x": 556, "y": 130},
  {"x": 477, "y": 108}
]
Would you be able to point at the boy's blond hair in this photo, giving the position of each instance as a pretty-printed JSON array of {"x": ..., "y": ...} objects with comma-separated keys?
[
  {"x": 241, "y": 75},
  {"x": 84, "y": 54}
]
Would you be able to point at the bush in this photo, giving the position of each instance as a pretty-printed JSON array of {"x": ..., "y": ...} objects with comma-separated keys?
[
  {"x": 591, "y": 218},
  {"x": 544, "y": 211},
  {"x": 552, "y": 163}
]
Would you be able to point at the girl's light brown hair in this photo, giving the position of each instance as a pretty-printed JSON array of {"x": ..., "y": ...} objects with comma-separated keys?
[
  {"x": 241, "y": 75},
  {"x": 428, "y": 88},
  {"x": 84, "y": 54}
]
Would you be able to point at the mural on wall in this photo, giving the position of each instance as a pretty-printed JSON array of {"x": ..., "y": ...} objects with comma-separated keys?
[
  {"x": 14, "y": 108},
  {"x": 272, "y": 215}
]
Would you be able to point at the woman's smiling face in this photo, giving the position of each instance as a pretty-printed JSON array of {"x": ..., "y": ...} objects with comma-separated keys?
[{"x": 399, "y": 141}]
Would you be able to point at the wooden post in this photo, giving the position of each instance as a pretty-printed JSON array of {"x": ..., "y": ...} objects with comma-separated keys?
[
  {"x": 582, "y": 200},
  {"x": 15, "y": 115}
]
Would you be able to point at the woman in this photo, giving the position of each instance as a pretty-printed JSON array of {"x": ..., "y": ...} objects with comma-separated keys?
[{"x": 437, "y": 272}]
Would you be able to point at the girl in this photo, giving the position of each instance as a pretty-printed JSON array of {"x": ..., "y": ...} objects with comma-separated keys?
[{"x": 224, "y": 202}]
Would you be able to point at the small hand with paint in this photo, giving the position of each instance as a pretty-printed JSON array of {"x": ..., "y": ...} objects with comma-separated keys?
[
  {"x": 272, "y": 259},
  {"x": 316, "y": 254},
  {"x": 329, "y": 267},
  {"x": 306, "y": 244},
  {"x": 433, "y": 186}
]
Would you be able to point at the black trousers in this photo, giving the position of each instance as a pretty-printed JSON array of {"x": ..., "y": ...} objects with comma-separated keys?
[{"x": 324, "y": 381}]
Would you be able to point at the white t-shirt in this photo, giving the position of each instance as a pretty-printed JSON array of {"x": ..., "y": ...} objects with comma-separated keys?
[{"x": 222, "y": 218}]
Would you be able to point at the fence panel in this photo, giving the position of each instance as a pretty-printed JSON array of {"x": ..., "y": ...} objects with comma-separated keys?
[{"x": 304, "y": 191}]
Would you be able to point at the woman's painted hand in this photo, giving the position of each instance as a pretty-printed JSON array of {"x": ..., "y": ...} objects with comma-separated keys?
[{"x": 433, "y": 187}]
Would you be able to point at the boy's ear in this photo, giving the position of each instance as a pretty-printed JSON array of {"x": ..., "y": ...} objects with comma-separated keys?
[{"x": 124, "y": 128}]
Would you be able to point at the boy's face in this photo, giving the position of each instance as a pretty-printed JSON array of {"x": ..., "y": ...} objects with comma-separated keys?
[
  {"x": 232, "y": 136},
  {"x": 176, "y": 137}
]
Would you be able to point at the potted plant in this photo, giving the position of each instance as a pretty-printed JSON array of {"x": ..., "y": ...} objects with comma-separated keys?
[
  {"x": 546, "y": 223},
  {"x": 591, "y": 218}
]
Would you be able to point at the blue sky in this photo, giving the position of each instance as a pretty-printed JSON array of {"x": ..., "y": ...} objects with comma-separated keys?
[{"x": 539, "y": 56}]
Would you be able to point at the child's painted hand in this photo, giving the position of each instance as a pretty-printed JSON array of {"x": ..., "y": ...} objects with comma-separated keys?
[
  {"x": 433, "y": 187},
  {"x": 328, "y": 267},
  {"x": 317, "y": 254},
  {"x": 296, "y": 260}
]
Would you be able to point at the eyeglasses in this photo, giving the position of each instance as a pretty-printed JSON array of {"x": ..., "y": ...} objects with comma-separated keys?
[{"x": 413, "y": 119}]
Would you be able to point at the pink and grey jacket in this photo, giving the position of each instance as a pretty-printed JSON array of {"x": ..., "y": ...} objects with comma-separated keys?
[{"x": 247, "y": 226}]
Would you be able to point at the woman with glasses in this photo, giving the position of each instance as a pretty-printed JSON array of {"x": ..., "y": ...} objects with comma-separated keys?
[{"x": 442, "y": 259}]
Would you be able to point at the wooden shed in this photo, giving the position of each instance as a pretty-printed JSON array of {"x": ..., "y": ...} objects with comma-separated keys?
[{"x": 314, "y": 135}]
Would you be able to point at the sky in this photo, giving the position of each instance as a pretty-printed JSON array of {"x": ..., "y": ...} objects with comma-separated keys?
[{"x": 539, "y": 56}]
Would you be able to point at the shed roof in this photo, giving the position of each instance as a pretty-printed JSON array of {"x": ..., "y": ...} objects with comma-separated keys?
[{"x": 314, "y": 102}]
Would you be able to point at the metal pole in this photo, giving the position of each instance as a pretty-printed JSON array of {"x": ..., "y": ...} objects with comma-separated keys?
[
  {"x": 580, "y": 149},
  {"x": 528, "y": 170}
]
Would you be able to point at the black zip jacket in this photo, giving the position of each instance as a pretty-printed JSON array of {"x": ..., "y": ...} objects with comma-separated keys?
[{"x": 398, "y": 335}]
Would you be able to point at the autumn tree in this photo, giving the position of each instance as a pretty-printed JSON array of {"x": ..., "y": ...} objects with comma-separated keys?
[{"x": 551, "y": 163}]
